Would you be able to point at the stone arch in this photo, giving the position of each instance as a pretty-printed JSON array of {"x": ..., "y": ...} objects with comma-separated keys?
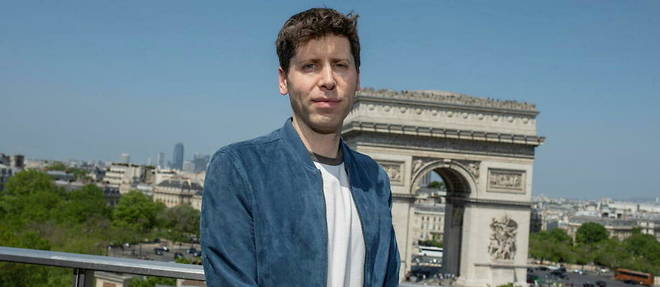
[
  {"x": 485, "y": 161},
  {"x": 458, "y": 178}
]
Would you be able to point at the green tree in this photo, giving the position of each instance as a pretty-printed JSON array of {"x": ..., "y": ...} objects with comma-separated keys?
[
  {"x": 27, "y": 182},
  {"x": 559, "y": 235},
  {"x": 29, "y": 196},
  {"x": 150, "y": 281},
  {"x": 180, "y": 222},
  {"x": 136, "y": 215},
  {"x": 554, "y": 245},
  {"x": 36, "y": 214},
  {"x": 590, "y": 233},
  {"x": 83, "y": 204},
  {"x": 430, "y": 242},
  {"x": 59, "y": 166},
  {"x": 437, "y": 185}
]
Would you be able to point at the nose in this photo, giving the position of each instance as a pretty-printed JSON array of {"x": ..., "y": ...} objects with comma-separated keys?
[{"x": 327, "y": 80}]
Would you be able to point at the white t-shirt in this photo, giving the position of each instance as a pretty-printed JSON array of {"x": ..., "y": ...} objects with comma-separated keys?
[{"x": 345, "y": 239}]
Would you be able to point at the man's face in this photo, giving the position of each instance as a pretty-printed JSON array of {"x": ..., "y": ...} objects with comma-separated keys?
[{"x": 321, "y": 83}]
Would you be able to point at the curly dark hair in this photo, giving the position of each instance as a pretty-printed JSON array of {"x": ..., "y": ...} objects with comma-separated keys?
[{"x": 313, "y": 24}]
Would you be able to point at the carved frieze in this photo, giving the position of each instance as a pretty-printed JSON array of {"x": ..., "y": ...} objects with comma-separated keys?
[
  {"x": 502, "y": 244},
  {"x": 419, "y": 162},
  {"x": 472, "y": 166},
  {"x": 506, "y": 180},
  {"x": 394, "y": 170}
]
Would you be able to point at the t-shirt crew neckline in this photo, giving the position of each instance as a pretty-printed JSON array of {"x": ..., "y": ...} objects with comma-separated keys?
[{"x": 327, "y": 160}]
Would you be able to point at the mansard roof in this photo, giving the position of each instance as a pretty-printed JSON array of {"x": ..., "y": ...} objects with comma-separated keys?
[{"x": 181, "y": 184}]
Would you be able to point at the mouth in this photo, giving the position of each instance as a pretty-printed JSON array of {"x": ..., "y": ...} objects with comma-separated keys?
[{"x": 326, "y": 102}]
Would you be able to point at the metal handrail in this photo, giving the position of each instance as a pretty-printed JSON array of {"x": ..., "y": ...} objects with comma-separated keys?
[
  {"x": 86, "y": 262},
  {"x": 83, "y": 262}
]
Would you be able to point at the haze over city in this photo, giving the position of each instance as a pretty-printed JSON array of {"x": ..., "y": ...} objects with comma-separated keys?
[{"x": 91, "y": 81}]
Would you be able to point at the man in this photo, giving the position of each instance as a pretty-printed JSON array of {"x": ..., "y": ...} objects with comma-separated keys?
[{"x": 298, "y": 207}]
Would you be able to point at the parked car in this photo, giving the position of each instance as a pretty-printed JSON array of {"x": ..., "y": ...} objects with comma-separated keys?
[
  {"x": 542, "y": 268},
  {"x": 158, "y": 251},
  {"x": 192, "y": 250},
  {"x": 559, "y": 273},
  {"x": 178, "y": 255},
  {"x": 601, "y": 283},
  {"x": 531, "y": 279}
]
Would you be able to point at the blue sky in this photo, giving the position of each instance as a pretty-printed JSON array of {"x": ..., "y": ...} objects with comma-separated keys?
[{"x": 94, "y": 79}]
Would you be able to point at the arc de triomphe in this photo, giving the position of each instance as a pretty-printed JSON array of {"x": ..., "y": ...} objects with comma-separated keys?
[{"x": 484, "y": 151}]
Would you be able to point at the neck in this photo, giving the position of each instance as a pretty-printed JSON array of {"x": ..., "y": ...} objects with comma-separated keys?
[{"x": 326, "y": 145}]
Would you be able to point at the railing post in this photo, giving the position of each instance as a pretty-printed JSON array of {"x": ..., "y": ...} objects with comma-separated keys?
[{"x": 83, "y": 277}]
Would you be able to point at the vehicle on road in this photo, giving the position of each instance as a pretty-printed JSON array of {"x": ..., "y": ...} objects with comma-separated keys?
[
  {"x": 578, "y": 271},
  {"x": 192, "y": 250},
  {"x": 158, "y": 251},
  {"x": 542, "y": 268},
  {"x": 632, "y": 276},
  {"x": 178, "y": 255},
  {"x": 588, "y": 284},
  {"x": 558, "y": 273},
  {"x": 601, "y": 283}
]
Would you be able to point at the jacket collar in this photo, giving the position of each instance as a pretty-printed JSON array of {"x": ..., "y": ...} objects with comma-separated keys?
[{"x": 291, "y": 137}]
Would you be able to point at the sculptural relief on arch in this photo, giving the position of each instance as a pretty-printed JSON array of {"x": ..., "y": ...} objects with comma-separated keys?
[{"x": 483, "y": 149}]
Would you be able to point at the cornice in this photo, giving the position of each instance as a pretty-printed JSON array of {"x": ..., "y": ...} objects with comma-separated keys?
[
  {"x": 446, "y": 99},
  {"x": 441, "y": 133},
  {"x": 490, "y": 202}
]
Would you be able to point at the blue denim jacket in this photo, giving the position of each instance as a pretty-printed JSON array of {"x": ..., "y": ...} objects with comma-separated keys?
[{"x": 263, "y": 215}]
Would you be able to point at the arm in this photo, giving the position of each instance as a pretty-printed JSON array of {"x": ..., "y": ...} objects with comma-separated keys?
[
  {"x": 227, "y": 225},
  {"x": 393, "y": 260}
]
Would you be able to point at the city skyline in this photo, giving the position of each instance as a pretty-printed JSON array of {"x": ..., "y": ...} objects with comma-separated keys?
[{"x": 91, "y": 81}]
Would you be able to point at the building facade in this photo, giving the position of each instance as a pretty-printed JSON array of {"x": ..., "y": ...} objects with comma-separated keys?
[{"x": 177, "y": 191}]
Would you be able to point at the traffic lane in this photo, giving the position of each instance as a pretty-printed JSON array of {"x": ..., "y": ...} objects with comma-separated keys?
[
  {"x": 593, "y": 277},
  {"x": 578, "y": 280}
]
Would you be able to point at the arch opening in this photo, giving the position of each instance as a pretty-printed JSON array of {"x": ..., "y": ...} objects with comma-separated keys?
[{"x": 439, "y": 217}]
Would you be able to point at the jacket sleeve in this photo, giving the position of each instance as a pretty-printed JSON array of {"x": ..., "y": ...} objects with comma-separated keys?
[
  {"x": 393, "y": 260},
  {"x": 227, "y": 225}
]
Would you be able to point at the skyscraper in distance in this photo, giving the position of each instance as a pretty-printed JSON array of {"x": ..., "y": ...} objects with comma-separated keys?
[
  {"x": 177, "y": 156},
  {"x": 160, "y": 160}
]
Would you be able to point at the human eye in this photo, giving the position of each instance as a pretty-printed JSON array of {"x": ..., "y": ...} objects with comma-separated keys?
[
  {"x": 342, "y": 65},
  {"x": 308, "y": 67}
]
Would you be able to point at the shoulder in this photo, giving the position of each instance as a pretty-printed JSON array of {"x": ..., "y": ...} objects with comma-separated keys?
[{"x": 246, "y": 148}]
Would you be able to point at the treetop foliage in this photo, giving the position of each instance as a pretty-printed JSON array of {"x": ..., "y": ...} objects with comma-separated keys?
[
  {"x": 590, "y": 233},
  {"x": 36, "y": 214},
  {"x": 638, "y": 252}
]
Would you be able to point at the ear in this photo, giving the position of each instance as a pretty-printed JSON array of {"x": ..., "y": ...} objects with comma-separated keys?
[{"x": 281, "y": 78}]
